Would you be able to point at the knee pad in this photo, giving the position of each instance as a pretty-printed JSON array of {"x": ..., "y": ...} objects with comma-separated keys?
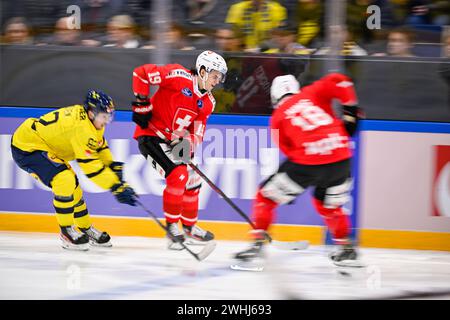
[
  {"x": 177, "y": 179},
  {"x": 337, "y": 196},
  {"x": 64, "y": 184},
  {"x": 194, "y": 180},
  {"x": 281, "y": 189}
]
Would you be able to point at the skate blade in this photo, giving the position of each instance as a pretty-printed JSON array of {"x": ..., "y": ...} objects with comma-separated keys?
[
  {"x": 195, "y": 242},
  {"x": 75, "y": 247},
  {"x": 247, "y": 267},
  {"x": 174, "y": 246},
  {"x": 349, "y": 264},
  {"x": 100, "y": 245}
]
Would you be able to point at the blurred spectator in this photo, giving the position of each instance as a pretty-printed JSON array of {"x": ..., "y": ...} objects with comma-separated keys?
[
  {"x": 422, "y": 12},
  {"x": 356, "y": 17},
  {"x": 121, "y": 32},
  {"x": 17, "y": 32},
  {"x": 65, "y": 34},
  {"x": 256, "y": 18},
  {"x": 174, "y": 38},
  {"x": 284, "y": 41},
  {"x": 40, "y": 15},
  {"x": 309, "y": 18},
  {"x": 227, "y": 39},
  {"x": 206, "y": 15},
  {"x": 96, "y": 13},
  {"x": 399, "y": 43},
  {"x": 140, "y": 10},
  {"x": 341, "y": 44}
]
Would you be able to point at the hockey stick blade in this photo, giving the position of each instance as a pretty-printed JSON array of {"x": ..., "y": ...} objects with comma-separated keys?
[
  {"x": 290, "y": 245},
  {"x": 199, "y": 256},
  {"x": 206, "y": 251}
]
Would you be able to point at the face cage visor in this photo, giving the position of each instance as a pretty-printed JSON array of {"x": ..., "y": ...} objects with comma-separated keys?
[{"x": 108, "y": 117}]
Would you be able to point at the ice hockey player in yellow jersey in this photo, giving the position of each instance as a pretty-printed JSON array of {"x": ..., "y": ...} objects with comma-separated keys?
[{"x": 44, "y": 146}]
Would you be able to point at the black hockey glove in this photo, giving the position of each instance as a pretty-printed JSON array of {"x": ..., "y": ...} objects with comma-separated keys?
[
  {"x": 142, "y": 113},
  {"x": 117, "y": 167},
  {"x": 124, "y": 193},
  {"x": 351, "y": 116}
]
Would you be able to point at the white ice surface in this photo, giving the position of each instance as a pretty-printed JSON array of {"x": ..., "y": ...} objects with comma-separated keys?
[{"x": 34, "y": 266}]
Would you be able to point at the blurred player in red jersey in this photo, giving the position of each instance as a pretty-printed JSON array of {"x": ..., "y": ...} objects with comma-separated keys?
[
  {"x": 316, "y": 144},
  {"x": 176, "y": 113}
]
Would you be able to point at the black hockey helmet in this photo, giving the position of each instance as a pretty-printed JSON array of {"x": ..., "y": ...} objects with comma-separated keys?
[{"x": 99, "y": 102}]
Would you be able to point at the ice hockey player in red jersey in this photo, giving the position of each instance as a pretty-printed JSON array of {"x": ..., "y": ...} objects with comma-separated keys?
[
  {"x": 316, "y": 143},
  {"x": 176, "y": 113}
]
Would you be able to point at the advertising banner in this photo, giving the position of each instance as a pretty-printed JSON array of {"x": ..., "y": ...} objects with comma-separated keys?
[
  {"x": 441, "y": 182},
  {"x": 235, "y": 157}
]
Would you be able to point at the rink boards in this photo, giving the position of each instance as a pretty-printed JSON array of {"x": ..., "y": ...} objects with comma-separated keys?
[{"x": 400, "y": 199}]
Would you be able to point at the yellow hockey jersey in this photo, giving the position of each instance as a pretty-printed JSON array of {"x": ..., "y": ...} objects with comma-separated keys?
[{"x": 68, "y": 134}]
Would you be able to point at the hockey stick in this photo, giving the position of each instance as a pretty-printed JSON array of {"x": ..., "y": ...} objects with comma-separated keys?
[
  {"x": 287, "y": 245},
  {"x": 207, "y": 250}
]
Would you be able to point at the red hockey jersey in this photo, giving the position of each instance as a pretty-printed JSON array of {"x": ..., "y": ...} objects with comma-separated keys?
[
  {"x": 178, "y": 105},
  {"x": 308, "y": 130}
]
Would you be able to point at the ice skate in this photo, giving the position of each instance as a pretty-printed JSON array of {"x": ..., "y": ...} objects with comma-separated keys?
[
  {"x": 73, "y": 240},
  {"x": 96, "y": 237},
  {"x": 346, "y": 256},
  {"x": 196, "y": 235},
  {"x": 250, "y": 259},
  {"x": 255, "y": 251},
  {"x": 175, "y": 236}
]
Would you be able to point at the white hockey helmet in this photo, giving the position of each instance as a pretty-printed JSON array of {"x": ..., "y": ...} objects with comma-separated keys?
[
  {"x": 211, "y": 61},
  {"x": 283, "y": 85}
]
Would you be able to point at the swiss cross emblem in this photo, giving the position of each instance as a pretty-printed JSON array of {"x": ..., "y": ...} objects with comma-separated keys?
[{"x": 182, "y": 120}]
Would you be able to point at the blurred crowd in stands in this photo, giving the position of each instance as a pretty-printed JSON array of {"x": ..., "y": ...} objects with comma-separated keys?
[{"x": 408, "y": 28}]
